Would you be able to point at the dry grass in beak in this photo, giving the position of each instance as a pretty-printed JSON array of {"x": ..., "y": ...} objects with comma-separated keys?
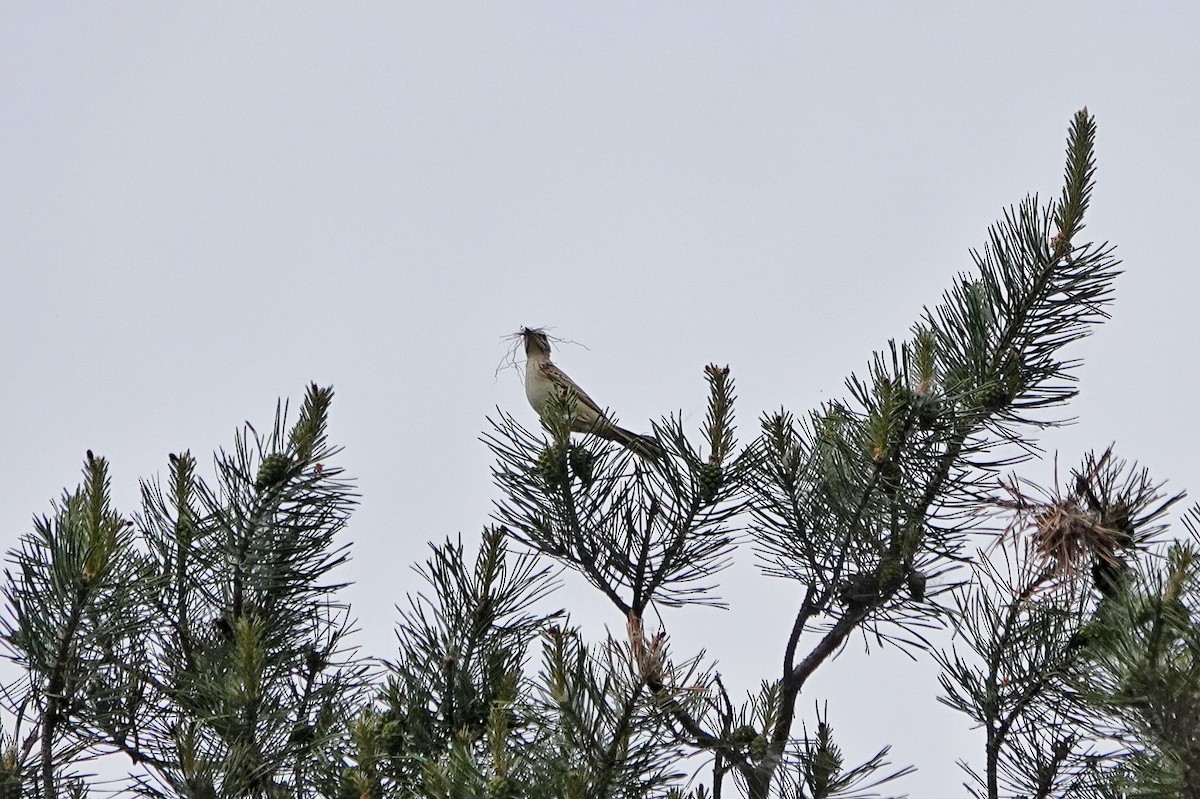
[{"x": 514, "y": 355}]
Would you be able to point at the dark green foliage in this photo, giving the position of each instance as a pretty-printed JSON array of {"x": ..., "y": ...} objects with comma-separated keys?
[
  {"x": 820, "y": 771},
  {"x": 202, "y": 637},
  {"x": 198, "y": 638},
  {"x": 1050, "y": 651},
  {"x": 1141, "y": 671},
  {"x": 462, "y": 713},
  {"x": 463, "y": 650},
  {"x": 659, "y": 533},
  {"x": 69, "y": 628}
]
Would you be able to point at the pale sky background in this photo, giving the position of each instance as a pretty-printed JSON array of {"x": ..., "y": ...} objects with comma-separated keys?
[{"x": 205, "y": 207}]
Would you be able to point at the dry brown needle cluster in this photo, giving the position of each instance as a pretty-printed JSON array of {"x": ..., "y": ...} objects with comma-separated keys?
[
  {"x": 650, "y": 656},
  {"x": 1073, "y": 531}
]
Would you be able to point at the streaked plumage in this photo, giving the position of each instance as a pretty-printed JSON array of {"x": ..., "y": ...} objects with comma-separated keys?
[{"x": 544, "y": 380}]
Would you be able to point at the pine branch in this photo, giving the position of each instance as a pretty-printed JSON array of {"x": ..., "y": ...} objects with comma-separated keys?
[
  {"x": 639, "y": 532},
  {"x": 847, "y": 505}
]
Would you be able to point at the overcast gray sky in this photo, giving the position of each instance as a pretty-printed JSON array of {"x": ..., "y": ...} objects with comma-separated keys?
[{"x": 207, "y": 206}]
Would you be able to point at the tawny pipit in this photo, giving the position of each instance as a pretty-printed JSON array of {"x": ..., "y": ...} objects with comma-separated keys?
[{"x": 544, "y": 380}]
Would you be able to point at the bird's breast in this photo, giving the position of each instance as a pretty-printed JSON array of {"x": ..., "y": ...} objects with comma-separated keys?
[{"x": 538, "y": 387}]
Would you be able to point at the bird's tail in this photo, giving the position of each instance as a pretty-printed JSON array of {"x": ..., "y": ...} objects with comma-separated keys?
[{"x": 643, "y": 445}]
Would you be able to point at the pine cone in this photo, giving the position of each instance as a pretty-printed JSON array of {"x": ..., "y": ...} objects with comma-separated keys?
[
  {"x": 916, "y": 585},
  {"x": 273, "y": 470},
  {"x": 583, "y": 462},
  {"x": 710, "y": 481},
  {"x": 552, "y": 466}
]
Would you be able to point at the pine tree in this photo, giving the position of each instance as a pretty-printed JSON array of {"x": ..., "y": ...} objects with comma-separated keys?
[
  {"x": 198, "y": 637},
  {"x": 203, "y": 639}
]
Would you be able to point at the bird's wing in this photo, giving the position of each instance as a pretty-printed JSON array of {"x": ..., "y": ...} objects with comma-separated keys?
[{"x": 565, "y": 384}]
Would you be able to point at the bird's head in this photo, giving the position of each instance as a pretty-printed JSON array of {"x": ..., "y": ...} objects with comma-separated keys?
[{"x": 536, "y": 341}]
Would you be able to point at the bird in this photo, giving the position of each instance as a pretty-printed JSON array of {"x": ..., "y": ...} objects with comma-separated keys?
[{"x": 544, "y": 381}]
